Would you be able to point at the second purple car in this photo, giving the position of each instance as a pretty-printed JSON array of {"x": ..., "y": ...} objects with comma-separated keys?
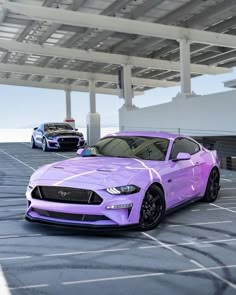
[
  {"x": 55, "y": 136},
  {"x": 126, "y": 179}
]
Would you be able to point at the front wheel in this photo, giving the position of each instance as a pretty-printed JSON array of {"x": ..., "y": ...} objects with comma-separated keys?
[
  {"x": 152, "y": 209},
  {"x": 213, "y": 186},
  {"x": 33, "y": 145},
  {"x": 44, "y": 145}
]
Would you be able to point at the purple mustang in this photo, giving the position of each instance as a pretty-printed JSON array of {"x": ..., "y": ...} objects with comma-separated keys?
[
  {"x": 54, "y": 136},
  {"x": 125, "y": 179}
]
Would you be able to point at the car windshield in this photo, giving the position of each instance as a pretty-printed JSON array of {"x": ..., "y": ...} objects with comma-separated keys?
[
  {"x": 145, "y": 148},
  {"x": 56, "y": 126}
]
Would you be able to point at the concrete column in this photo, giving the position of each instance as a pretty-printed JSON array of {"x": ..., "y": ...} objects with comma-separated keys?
[
  {"x": 68, "y": 118},
  {"x": 128, "y": 91},
  {"x": 92, "y": 96},
  {"x": 93, "y": 118},
  {"x": 185, "y": 67}
]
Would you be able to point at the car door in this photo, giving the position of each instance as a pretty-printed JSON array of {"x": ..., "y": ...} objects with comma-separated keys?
[
  {"x": 39, "y": 135},
  {"x": 184, "y": 176}
]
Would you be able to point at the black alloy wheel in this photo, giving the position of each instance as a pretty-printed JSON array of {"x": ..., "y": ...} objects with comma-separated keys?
[
  {"x": 44, "y": 145},
  {"x": 33, "y": 145},
  {"x": 213, "y": 186},
  {"x": 152, "y": 209}
]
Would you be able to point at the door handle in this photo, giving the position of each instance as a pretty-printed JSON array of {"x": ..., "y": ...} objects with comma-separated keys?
[{"x": 197, "y": 164}]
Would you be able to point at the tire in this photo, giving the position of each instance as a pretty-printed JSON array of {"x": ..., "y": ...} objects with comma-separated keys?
[
  {"x": 44, "y": 145},
  {"x": 152, "y": 209},
  {"x": 213, "y": 186},
  {"x": 33, "y": 145}
]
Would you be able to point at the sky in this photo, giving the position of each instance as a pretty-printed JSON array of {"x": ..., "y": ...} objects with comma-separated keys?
[{"x": 23, "y": 107}]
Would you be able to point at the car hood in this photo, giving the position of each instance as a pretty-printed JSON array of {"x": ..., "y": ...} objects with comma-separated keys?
[
  {"x": 62, "y": 133},
  {"x": 103, "y": 171}
]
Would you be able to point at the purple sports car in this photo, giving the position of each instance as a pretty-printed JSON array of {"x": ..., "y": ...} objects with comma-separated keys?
[
  {"x": 54, "y": 136},
  {"x": 126, "y": 179}
]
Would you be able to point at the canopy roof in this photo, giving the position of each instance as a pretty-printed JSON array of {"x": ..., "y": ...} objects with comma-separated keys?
[{"x": 62, "y": 44}]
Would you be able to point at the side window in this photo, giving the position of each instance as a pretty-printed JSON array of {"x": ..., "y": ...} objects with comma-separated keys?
[
  {"x": 41, "y": 128},
  {"x": 184, "y": 145}
]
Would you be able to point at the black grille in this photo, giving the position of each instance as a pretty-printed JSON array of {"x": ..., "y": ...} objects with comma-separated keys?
[
  {"x": 69, "y": 216},
  {"x": 66, "y": 195},
  {"x": 68, "y": 140}
]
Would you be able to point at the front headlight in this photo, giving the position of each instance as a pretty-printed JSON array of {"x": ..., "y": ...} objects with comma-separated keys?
[
  {"x": 123, "y": 190},
  {"x": 51, "y": 137}
]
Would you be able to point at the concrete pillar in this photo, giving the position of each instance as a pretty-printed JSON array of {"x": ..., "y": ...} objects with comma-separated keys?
[
  {"x": 93, "y": 118},
  {"x": 128, "y": 91},
  {"x": 185, "y": 67},
  {"x": 68, "y": 118},
  {"x": 92, "y": 96}
]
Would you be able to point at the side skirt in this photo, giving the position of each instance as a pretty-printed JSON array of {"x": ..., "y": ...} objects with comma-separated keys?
[{"x": 182, "y": 205}]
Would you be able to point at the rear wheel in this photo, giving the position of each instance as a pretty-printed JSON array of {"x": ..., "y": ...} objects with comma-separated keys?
[
  {"x": 44, "y": 145},
  {"x": 33, "y": 145},
  {"x": 152, "y": 209},
  {"x": 213, "y": 186}
]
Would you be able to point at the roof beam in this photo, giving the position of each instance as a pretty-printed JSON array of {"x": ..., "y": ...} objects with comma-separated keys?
[
  {"x": 109, "y": 58},
  {"x": 58, "y": 86},
  {"x": 3, "y": 14},
  {"x": 35, "y": 70},
  {"x": 76, "y": 4},
  {"x": 121, "y": 25}
]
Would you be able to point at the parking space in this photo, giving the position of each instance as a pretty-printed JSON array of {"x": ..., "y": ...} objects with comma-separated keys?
[{"x": 192, "y": 251}]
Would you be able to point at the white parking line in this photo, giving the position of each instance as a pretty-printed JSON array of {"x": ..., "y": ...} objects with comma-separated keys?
[
  {"x": 115, "y": 278},
  {"x": 17, "y": 209},
  {"x": 212, "y": 209},
  {"x": 4, "y": 290},
  {"x": 20, "y": 236},
  {"x": 12, "y": 199},
  {"x": 85, "y": 252},
  {"x": 225, "y": 203},
  {"x": 62, "y": 155},
  {"x": 231, "y": 197},
  {"x": 11, "y": 185},
  {"x": 219, "y": 241},
  {"x": 226, "y": 179},
  {"x": 162, "y": 244},
  {"x": 15, "y": 258},
  {"x": 30, "y": 287},
  {"x": 200, "y": 223},
  {"x": 227, "y": 209},
  {"x": 208, "y": 268},
  {"x": 17, "y": 160},
  {"x": 228, "y": 188},
  {"x": 227, "y": 282}
]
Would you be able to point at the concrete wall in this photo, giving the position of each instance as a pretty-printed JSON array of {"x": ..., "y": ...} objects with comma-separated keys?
[{"x": 213, "y": 114}]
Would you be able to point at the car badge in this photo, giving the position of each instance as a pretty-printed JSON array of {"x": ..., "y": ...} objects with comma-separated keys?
[{"x": 64, "y": 194}]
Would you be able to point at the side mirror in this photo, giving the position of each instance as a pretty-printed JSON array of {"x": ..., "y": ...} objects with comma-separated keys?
[
  {"x": 84, "y": 152},
  {"x": 80, "y": 152},
  {"x": 182, "y": 157},
  {"x": 35, "y": 128},
  {"x": 76, "y": 129}
]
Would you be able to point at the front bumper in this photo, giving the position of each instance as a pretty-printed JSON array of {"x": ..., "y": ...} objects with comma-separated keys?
[
  {"x": 106, "y": 218},
  {"x": 80, "y": 225},
  {"x": 65, "y": 143}
]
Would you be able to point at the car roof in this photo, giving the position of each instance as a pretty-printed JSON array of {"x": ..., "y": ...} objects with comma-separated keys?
[
  {"x": 146, "y": 133},
  {"x": 55, "y": 123}
]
